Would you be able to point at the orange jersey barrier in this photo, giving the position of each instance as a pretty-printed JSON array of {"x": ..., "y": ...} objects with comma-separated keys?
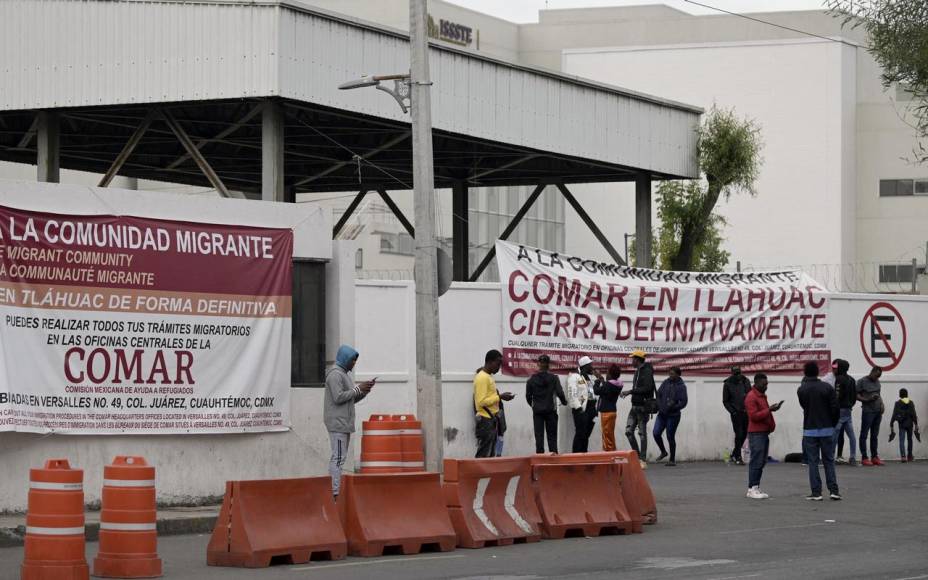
[
  {"x": 394, "y": 513},
  {"x": 581, "y": 499},
  {"x": 636, "y": 491},
  {"x": 128, "y": 521},
  {"x": 286, "y": 521},
  {"x": 491, "y": 502},
  {"x": 54, "y": 547},
  {"x": 392, "y": 444}
]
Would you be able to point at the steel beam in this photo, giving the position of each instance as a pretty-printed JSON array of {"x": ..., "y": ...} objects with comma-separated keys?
[
  {"x": 127, "y": 150},
  {"x": 348, "y": 213},
  {"x": 397, "y": 212},
  {"x": 48, "y": 140},
  {"x": 586, "y": 219},
  {"x": 392, "y": 142},
  {"x": 194, "y": 153},
  {"x": 272, "y": 152},
  {"x": 222, "y": 134},
  {"x": 460, "y": 234},
  {"x": 475, "y": 177},
  {"x": 516, "y": 219},
  {"x": 29, "y": 134},
  {"x": 643, "y": 221}
]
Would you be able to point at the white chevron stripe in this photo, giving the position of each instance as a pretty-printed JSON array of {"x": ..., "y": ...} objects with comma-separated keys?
[{"x": 478, "y": 505}]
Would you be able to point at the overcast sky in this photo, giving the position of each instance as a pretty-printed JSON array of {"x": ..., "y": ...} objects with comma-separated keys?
[{"x": 527, "y": 10}]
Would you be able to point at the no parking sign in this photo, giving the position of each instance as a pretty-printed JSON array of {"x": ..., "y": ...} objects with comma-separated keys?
[{"x": 883, "y": 336}]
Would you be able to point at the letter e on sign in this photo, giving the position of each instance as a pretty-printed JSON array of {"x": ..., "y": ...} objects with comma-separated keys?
[{"x": 883, "y": 336}]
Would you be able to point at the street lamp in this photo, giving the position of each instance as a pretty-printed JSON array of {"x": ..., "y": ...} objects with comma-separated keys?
[
  {"x": 400, "y": 90},
  {"x": 413, "y": 88}
]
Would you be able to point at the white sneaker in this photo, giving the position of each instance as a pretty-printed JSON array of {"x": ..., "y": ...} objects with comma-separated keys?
[{"x": 756, "y": 493}]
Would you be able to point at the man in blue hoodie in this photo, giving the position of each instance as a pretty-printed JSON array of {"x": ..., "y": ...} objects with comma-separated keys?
[
  {"x": 671, "y": 399},
  {"x": 341, "y": 393}
]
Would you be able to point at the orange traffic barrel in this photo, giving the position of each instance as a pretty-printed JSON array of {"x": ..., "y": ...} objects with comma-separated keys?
[
  {"x": 128, "y": 521},
  {"x": 382, "y": 444},
  {"x": 54, "y": 547},
  {"x": 412, "y": 443}
]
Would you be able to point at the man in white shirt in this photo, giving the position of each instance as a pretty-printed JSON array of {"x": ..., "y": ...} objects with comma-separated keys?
[{"x": 582, "y": 402}]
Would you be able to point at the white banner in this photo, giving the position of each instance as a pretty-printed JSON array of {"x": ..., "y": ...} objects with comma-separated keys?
[
  {"x": 130, "y": 325},
  {"x": 566, "y": 307}
]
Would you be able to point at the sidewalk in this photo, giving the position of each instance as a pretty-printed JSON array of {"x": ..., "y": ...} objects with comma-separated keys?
[{"x": 171, "y": 522}]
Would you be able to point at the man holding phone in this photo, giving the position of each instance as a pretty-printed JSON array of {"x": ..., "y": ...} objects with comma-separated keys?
[
  {"x": 486, "y": 404},
  {"x": 760, "y": 425},
  {"x": 341, "y": 394}
]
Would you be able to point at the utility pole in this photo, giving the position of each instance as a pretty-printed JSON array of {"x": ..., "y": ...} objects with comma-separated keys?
[{"x": 428, "y": 345}]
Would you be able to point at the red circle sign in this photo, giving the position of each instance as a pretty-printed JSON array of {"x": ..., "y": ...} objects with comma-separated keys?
[{"x": 882, "y": 346}]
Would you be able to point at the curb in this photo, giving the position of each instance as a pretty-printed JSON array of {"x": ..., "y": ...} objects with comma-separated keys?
[{"x": 15, "y": 537}]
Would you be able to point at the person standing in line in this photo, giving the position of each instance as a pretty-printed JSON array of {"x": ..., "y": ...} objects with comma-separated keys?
[
  {"x": 734, "y": 389},
  {"x": 871, "y": 415},
  {"x": 846, "y": 390},
  {"x": 341, "y": 394},
  {"x": 540, "y": 391},
  {"x": 671, "y": 400},
  {"x": 643, "y": 395},
  {"x": 486, "y": 404},
  {"x": 904, "y": 414},
  {"x": 820, "y": 411},
  {"x": 608, "y": 392},
  {"x": 582, "y": 399},
  {"x": 760, "y": 425}
]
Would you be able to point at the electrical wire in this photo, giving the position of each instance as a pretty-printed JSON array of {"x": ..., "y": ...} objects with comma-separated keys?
[{"x": 761, "y": 21}]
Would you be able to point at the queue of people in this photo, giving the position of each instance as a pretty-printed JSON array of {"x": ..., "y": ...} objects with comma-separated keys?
[{"x": 827, "y": 404}]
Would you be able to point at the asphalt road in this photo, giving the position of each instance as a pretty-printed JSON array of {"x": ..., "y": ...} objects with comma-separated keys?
[{"x": 707, "y": 530}]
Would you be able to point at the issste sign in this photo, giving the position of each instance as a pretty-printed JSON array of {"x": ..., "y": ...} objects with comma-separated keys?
[
  {"x": 114, "y": 324},
  {"x": 566, "y": 306}
]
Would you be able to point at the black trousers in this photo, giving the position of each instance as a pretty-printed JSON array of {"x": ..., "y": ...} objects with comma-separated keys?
[
  {"x": 486, "y": 432},
  {"x": 739, "y": 424},
  {"x": 584, "y": 419},
  {"x": 545, "y": 422}
]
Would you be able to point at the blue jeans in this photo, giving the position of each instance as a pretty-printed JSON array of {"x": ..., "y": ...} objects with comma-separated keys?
[
  {"x": 870, "y": 424},
  {"x": 670, "y": 424},
  {"x": 759, "y": 443},
  {"x": 846, "y": 425},
  {"x": 824, "y": 448}
]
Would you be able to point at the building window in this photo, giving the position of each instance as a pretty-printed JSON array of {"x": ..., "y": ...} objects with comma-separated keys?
[
  {"x": 892, "y": 273},
  {"x": 402, "y": 244},
  {"x": 903, "y": 187},
  {"x": 359, "y": 259},
  {"x": 307, "y": 367}
]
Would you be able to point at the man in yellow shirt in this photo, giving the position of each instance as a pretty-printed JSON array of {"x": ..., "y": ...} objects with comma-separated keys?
[{"x": 486, "y": 404}]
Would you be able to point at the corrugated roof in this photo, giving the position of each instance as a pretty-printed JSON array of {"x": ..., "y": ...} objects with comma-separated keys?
[{"x": 63, "y": 53}]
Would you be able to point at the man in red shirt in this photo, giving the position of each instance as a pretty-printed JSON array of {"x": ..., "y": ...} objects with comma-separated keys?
[{"x": 760, "y": 425}]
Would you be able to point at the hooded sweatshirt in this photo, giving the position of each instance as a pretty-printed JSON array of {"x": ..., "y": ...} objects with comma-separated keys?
[
  {"x": 845, "y": 385},
  {"x": 341, "y": 393},
  {"x": 671, "y": 397}
]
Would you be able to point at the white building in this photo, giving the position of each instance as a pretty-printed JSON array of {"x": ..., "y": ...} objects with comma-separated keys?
[{"x": 837, "y": 194}]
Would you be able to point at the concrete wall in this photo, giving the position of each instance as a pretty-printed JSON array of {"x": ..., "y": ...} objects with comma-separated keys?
[{"x": 470, "y": 317}]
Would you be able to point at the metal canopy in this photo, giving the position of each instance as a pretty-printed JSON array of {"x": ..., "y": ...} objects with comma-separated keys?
[
  {"x": 242, "y": 97},
  {"x": 325, "y": 149}
]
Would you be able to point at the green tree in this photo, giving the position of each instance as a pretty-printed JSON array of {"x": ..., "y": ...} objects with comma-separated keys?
[
  {"x": 676, "y": 201},
  {"x": 690, "y": 234},
  {"x": 898, "y": 37}
]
